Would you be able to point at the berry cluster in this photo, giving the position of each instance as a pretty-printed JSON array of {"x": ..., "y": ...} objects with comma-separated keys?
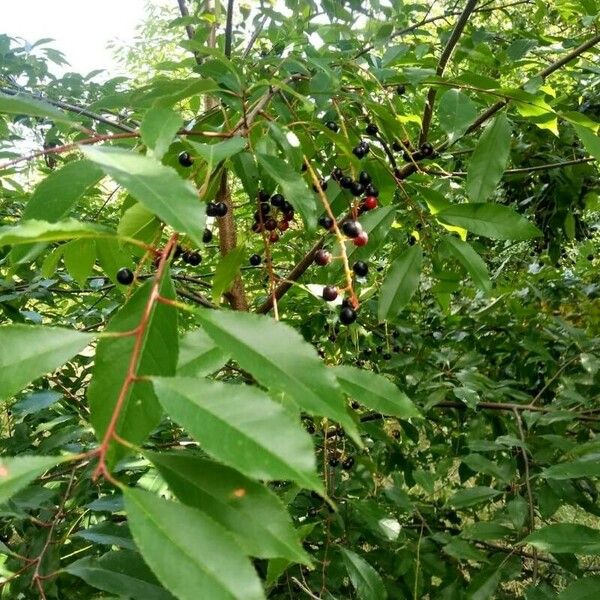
[{"x": 274, "y": 215}]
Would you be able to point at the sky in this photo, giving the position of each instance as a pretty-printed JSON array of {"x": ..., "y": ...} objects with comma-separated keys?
[{"x": 81, "y": 28}]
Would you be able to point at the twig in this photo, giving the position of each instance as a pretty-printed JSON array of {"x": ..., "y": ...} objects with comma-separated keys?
[
  {"x": 529, "y": 493},
  {"x": 444, "y": 58}
]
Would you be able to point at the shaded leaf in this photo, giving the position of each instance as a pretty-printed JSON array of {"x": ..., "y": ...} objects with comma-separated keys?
[
  {"x": 472, "y": 496},
  {"x": 365, "y": 579},
  {"x": 18, "y": 471},
  {"x": 565, "y": 538},
  {"x": 470, "y": 260}
]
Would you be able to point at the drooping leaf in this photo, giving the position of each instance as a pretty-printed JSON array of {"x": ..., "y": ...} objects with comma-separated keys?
[
  {"x": 157, "y": 187},
  {"x": 120, "y": 572},
  {"x": 158, "y": 356},
  {"x": 456, "y": 111},
  {"x": 376, "y": 392},
  {"x": 248, "y": 510},
  {"x": 18, "y": 471},
  {"x": 293, "y": 187},
  {"x": 158, "y": 128},
  {"x": 565, "y": 538},
  {"x": 31, "y": 232},
  {"x": 28, "y": 352},
  {"x": 586, "y": 466},
  {"x": 472, "y": 496},
  {"x": 191, "y": 554},
  {"x": 590, "y": 140},
  {"x": 401, "y": 282},
  {"x": 265, "y": 443},
  {"x": 365, "y": 579},
  {"x": 470, "y": 260},
  {"x": 489, "y": 159},
  {"x": 199, "y": 355},
  {"x": 281, "y": 360},
  {"x": 108, "y": 534},
  {"x": 494, "y": 221}
]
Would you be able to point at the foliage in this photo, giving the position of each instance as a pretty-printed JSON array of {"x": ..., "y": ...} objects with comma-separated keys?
[{"x": 182, "y": 421}]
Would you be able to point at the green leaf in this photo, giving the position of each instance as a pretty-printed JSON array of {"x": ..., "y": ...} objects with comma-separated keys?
[
  {"x": 401, "y": 282},
  {"x": 213, "y": 154},
  {"x": 565, "y": 538},
  {"x": 108, "y": 534},
  {"x": 158, "y": 128},
  {"x": 586, "y": 466},
  {"x": 199, "y": 355},
  {"x": 494, "y": 221},
  {"x": 248, "y": 510},
  {"x": 157, "y": 187},
  {"x": 269, "y": 444},
  {"x": 17, "y": 472},
  {"x": 472, "y": 496},
  {"x": 139, "y": 223},
  {"x": 587, "y": 588},
  {"x": 280, "y": 359},
  {"x": 28, "y": 232},
  {"x": 192, "y": 556},
  {"x": 485, "y": 530},
  {"x": 456, "y": 111},
  {"x": 293, "y": 187},
  {"x": 462, "y": 550},
  {"x": 79, "y": 257},
  {"x": 28, "y": 352},
  {"x": 26, "y": 105},
  {"x": 365, "y": 579},
  {"x": 489, "y": 159},
  {"x": 35, "y": 402},
  {"x": 123, "y": 573},
  {"x": 140, "y": 411},
  {"x": 111, "y": 258},
  {"x": 590, "y": 140},
  {"x": 469, "y": 259},
  {"x": 375, "y": 392},
  {"x": 226, "y": 271}
]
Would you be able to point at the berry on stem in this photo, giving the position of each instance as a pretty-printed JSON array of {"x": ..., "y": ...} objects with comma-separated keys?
[
  {"x": 322, "y": 257},
  {"x": 352, "y": 228},
  {"x": 401, "y": 90},
  {"x": 283, "y": 225},
  {"x": 192, "y": 258},
  {"x": 357, "y": 188},
  {"x": 372, "y": 129},
  {"x": 322, "y": 185},
  {"x": 220, "y": 209},
  {"x": 371, "y": 190},
  {"x": 361, "y": 239},
  {"x": 207, "y": 236},
  {"x": 370, "y": 202},
  {"x": 346, "y": 182},
  {"x": 255, "y": 260},
  {"x": 364, "y": 178},
  {"x": 125, "y": 276},
  {"x": 347, "y": 315},
  {"x": 348, "y": 463},
  {"x": 330, "y": 293},
  {"x": 270, "y": 224},
  {"x": 326, "y": 222},
  {"x": 211, "y": 209},
  {"x": 277, "y": 200},
  {"x": 332, "y": 125},
  {"x": 185, "y": 160},
  {"x": 426, "y": 149},
  {"x": 361, "y": 268},
  {"x": 337, "y": 174}
]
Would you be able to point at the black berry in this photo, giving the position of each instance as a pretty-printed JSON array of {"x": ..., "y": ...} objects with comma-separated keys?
[
  {"x": 346, "y": 182},
  {"x": 220, "y": 209},
  {"x": 397, "y": 146},
  {"x": 412, "y": 240},
  {"x": 192, "y": 258},
  {"x": 332, "y": 125},
  {"x": 263, "y": 196},
  {"x": 387, "y": 356},
  {"x": 359, "y": 151},
  {"x": 347, "y": 315},
  {"x": 322, "y": 257},
  {"x": 255, "y": 260},
  {"x": 322, "y": 184},
  {"x": 371, "y": 190},
  {"x": 270, "y": 224},
  {"x": 372, "y": 129},
  {"x": 590, "y": 257},
  {"x": 326, "y": 222},
  {"x": 357, "y": 188},
  {"x": 396, "y": 434},
  {"x": 364, "y": 178},
  {"x": 355, "y": 405},
  {"x": 207, "y": 236},
  {"x": 277, "y": 200},
  {"x": 361, "y": 268},
  {"x": 426, "y": 149},
  {"x": 334, "y": 462},
  {"x": 185, "y": 160},
  {"x": 264, "y": 208},
  {"x": 125, "y": 276},
  {"x": 401, "y": 90},
  {"x": 348, "y": 463},
  {"x": 351, "y": 228},
  {"x": 330, "y": 293},
  {"x": 337, "y": 174}
]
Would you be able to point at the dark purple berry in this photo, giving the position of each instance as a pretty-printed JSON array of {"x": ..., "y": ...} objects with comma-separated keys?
[
  {"x": 346, "y": 182},
  {"x": 347, "y": 315},
  {"x": 372, "y": 129},
  {"x": 357, "y": 188},
  {"x": 125, "y": 276},
  {"x": 351, "y": 228},
  {"x": 255, "y": 260},
  {"x": 326, "y": 222},
  {"x": 332, "y": 125},
  {"x": 364, "y": 178},
  {"x": 211, "y": 209},
  {"x": 330, "y": 293},
  {"x": 185, "y": 160},
  {"x": 277, "y": 200},
  {"x": 220, "y": 209},
  {"x": 401, "y": 90},
  {"x": 348, "y": 463},
  {"x": 207, "y": 236},
  {"x": 361, "y": 268}
]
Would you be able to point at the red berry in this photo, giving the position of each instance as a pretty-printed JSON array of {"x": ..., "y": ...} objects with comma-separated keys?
[
  {"x": 361, "y": 239},
  {"x": 322, "y": 258},
  {"x": 283, "y": 225},
  {"x": 273, "y": 237},
  {"x": 270, "y": 224},
  {"x": 370, "y": 202}
]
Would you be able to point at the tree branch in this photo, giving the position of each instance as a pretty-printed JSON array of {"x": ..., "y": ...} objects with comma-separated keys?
[{"x": 444, "y": 58}]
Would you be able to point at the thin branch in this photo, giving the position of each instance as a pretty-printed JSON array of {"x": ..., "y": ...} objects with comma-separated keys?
[
  {"x": 444, "y": 58},
  {"x": 255, "y": 35},
  {"x": 529, "y": 492},
  {"x": 74, "y": 108},
  {"x": 188, "y": 28},
  {"x": 228, "y": 28}
]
